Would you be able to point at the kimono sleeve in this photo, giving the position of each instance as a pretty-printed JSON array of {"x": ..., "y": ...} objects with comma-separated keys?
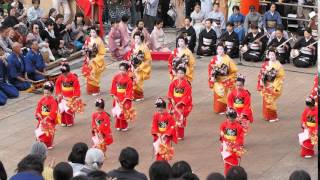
[
  {"x": 129, "y": 90},
  {"x": 76, "y": 86},
  {"x": 170, "y": 68},
  {"x": 58, "y": 85},
  {"x": 209, "y": 73},
  {"x": 233, "y": 69},
  {"x": 230, "y": 99},
  {"x": 304, "y": 118},
  {"x": 112, "y": 44},
  {"x": 113, "y": 89},
  {"x": 38, "y": 108},
  {"x": 171, "y": 89},
  {"x": 186, "y": 99},
  {"x": 93, "y": 121},
  {"x": 240, "y": 135},
  {"x": 191, "y": 64},
  {"x": 154, "y": 128},
  {"x": 54, "y": 110},
  {"x": 145, "y": 66},
  {"x": 278, "y": 82}
]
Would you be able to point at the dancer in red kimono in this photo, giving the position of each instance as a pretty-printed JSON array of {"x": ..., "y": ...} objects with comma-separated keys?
[
  {"x": 231, "y": 137},
  {"x": 122, "y": 93},
  {"x": 46, "y": 114},
  {"x": 67, "y": 90},
  {"x": 180, "y": 100},
  {"x": 101, "y": 127},
  {"x": 309, "y": 123},
  {"x": 240, "y": 99},
  {"x": 163, "y": 129}
]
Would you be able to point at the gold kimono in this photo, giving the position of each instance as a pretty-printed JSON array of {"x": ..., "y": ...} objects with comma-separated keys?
[
  {"x": 190, "y": 66},
  {"x": 142, "y": 72},
  {"x": 222, "y": 85},
  {"x": 96, "y": 66}
]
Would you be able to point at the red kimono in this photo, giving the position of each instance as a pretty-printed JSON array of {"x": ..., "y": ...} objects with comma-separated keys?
[
  {"x": 164, "y": 125},
  {"x": 309, "y": 121},
  {"x": 240, "y": 100},
  {"x": 69, "y": 87},
  {"x": 232, "y": 134},
  {"x": 180, "y": 92},
  {"x": 122, "y": 89},
  {"x": 101, "y": 130},
  {"x": 46, "y": 113}
]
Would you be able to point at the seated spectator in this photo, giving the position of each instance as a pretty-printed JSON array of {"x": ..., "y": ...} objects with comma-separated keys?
[
  {"x": 160, "y": 170},
  {"x": 14, "y": 36},
  {"x": 20, "y": 11},
  {"x": 236, "y": 173},
  {"x": 62, "y": 171},
  {"x": 215, "y": 176},
  {"x": 5, "y": 41},
  {"x": 207, "y": 40},
  {"x": 40, "y": 149},
  {"x": 53, "y": 14},
  {"x": 77, "y": 157},
  {"x": 282, "y": 51},
  {"x": 253, "y": 17},
  {"x": 271, "y": 19},
  {"x": 300, "y": 175},
  {"x": 188, "y": 32},
  {"x": 11, "y": 20},
  {"x": 3, "y": 173},
  {"x": 116, "y": 41},
  {"x": 146, "y": 35},
  {"x": 231, "y": 41},
  {"x": 62, "y": 31},
  {"x": 48, "y": 35},
  {"x": 43, "y": 45},
  {"x": 30, "y": 167},
  {"x": 129, "y": 159},
  {"x": 6, "y": 90},
  {"x": 98, "y": 175},
  {"x": 34, "y": 13},
  {"x": 158, "y": 37},
  {"x": 94, "y": 161},
  {"x": 34, "y": 63},
  {"x": 16, "y": 69},
  {"x": 180, "y": 168},
  {"x": 42, "y": 22},
  {"x": 238, "y": 19},
  {"x": 313, "y": 24},
  {"x": 78, "y": 31}
]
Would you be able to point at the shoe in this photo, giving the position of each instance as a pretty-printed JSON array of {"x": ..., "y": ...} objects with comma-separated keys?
[
  {"x": 69, "y": 125},
  {"x": 50, "y": 147},
  {"x": 125, "y": 129},
  {"x": 222, "y": 113},
  {"x": 273, "y": 120},
  {"x": 308, "y": 157},
  {"x": 179, "y": 138},
  {"x": 63, "y": 125},
  {"x": 95, "y": 94},
  {"x": 118, "y": 129}
]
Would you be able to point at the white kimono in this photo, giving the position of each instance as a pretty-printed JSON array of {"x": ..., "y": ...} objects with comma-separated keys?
[{"x": 197, "y": 19}]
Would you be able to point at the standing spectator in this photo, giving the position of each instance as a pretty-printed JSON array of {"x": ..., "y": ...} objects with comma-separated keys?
[
  {"x": 62, "y": 171},
  {"x": 42, "y": 22},
  {"x": 94, "y": 161},
  {"x": 66, "y": 9},
  {"x": 40, "y": 149},
  {"x": 206, "y": 6},
  {"x": 30, "y": 167},
  {"x": 215, "y": 176},
  {"x": 150, "y": 13},
  {"x": 77, "y": 157},
  {"x": 300, "y": 175},
  {"x": 160, "y": 170},
  {"x": 3, "y": 174},
  {"x": 139, "y": 9},
  {"x": 313, "y": 24},
  {"x": 197, "y": 17},
  {"x": 35, "y": 12},
  {"x": 129, "y": 159},
  {"x": 237, "y": 173},
  {"x": 189, "y": 4},
  {"x": 271, "y": 19},
  {"x": 78, "y": 31},
  {"x": 164, "y": 7},
  {"x": 180, "y": 168},
  {"x": 179, "y": 6}
]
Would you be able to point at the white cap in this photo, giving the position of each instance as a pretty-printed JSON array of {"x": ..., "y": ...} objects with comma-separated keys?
[{"x": 312, "y": 14}]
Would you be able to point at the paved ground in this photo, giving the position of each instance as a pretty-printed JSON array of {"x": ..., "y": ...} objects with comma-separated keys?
[{"x": 273, "y": 149}]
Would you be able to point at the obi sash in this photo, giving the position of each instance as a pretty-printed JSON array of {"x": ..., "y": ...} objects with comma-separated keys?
[
  {"x": 178, "y": 92},
  {"x": 271, "y": 23},
  {"x": 161, "y": 39},
  {"x": 230, "y": 134},
  {"x": 254, "y": 46},
  {"x": 306, "y": 50},
  {"x": 121, "y": 88},
  {"x": 281, "y": 50},
  {"x": 238, "y": 103},
  {"x": 117, "y": 41},
  {"x": 206, "y": 41},
  {"x": 162, "y": 126},
  {"x": 229, "y": 44},
  {"x": 45, "y": 110},
  {"x": 67, "y": 88}
]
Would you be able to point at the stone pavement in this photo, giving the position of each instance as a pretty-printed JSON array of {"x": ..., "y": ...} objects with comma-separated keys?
[{"x": 273, "y": 149}]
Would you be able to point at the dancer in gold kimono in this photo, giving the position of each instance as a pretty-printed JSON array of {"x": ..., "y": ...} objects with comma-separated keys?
[
  {"x": 140, "y": 58},
  {"x": 93, "y": 65},
  {"x": 222, "y": 72},
  {"x": 181, "y": 57},
  {"x": 270, "y": 81}
]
